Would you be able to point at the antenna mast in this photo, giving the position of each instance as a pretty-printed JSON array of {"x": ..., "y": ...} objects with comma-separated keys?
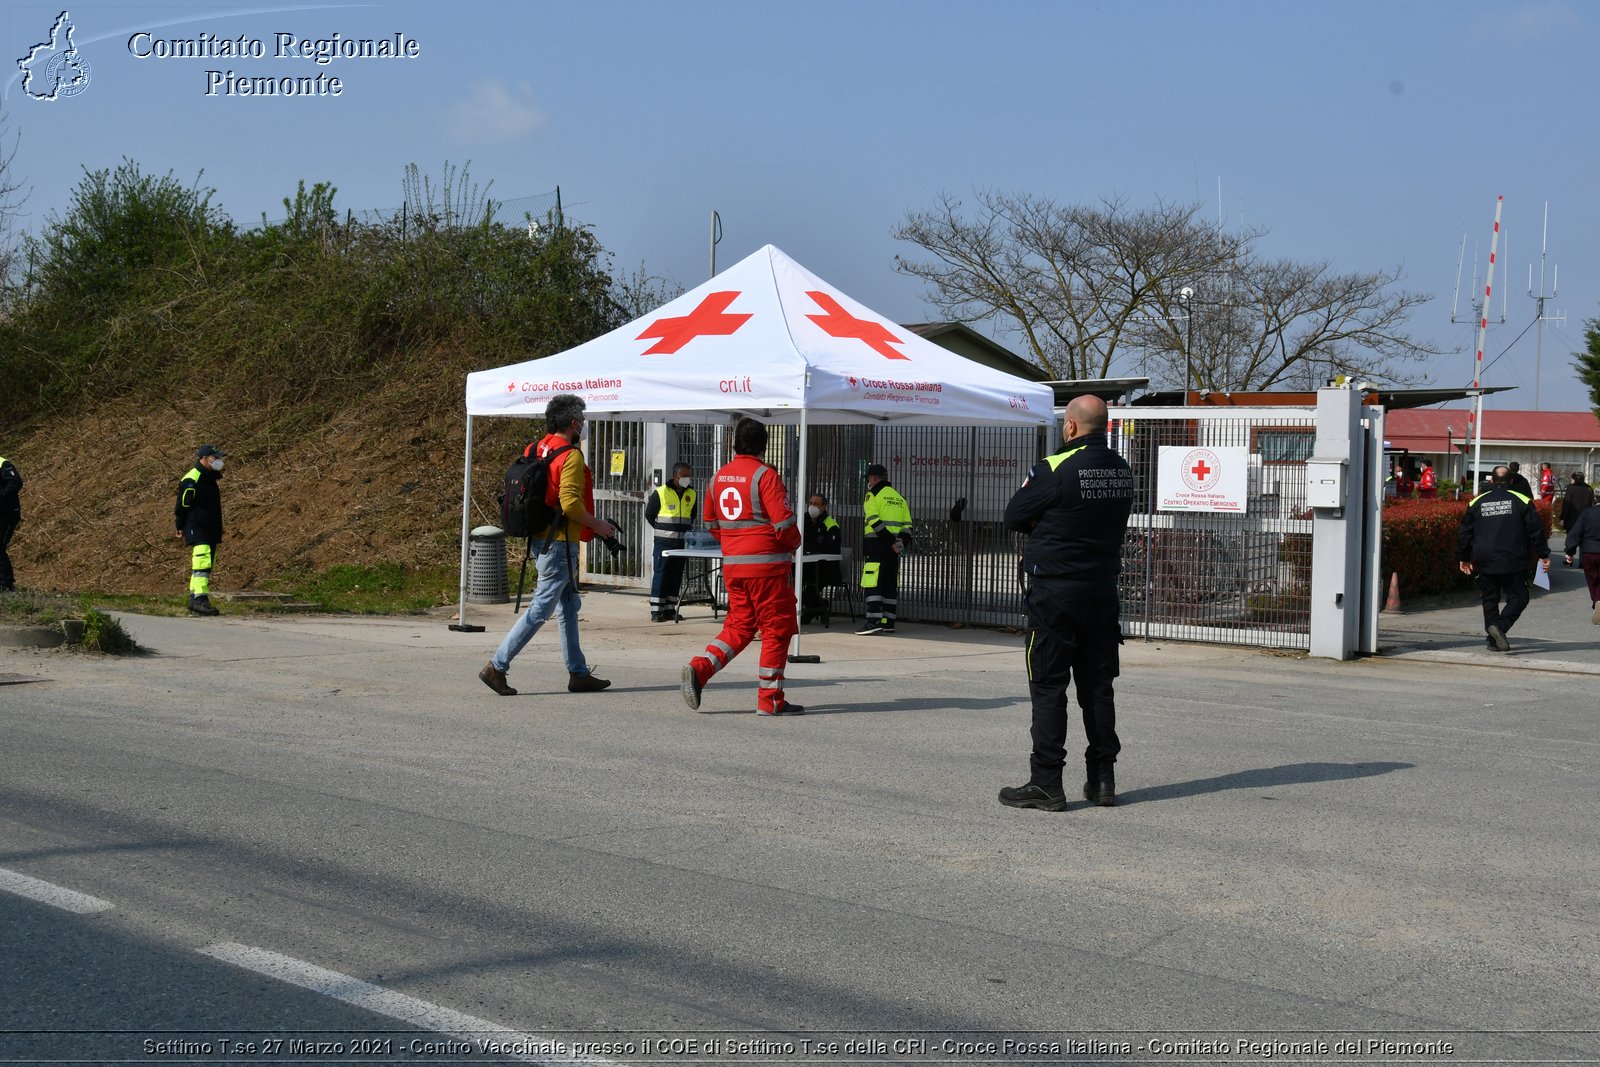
[
  {"x": 1475, "y": 418},
  {"x": 1540, "y": 297}
]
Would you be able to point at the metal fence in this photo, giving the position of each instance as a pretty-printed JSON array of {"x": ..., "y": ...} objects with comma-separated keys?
[
  {"x": 1226, "y": 578},
  {"x": 1223, "y": 578}
]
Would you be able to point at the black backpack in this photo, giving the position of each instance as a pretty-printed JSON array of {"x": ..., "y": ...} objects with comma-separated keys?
[{"x": 525, "y": 510}]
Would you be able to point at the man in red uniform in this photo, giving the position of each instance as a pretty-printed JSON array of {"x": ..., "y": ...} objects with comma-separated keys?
[
  {"x": 747, "y": 510},
  {"x": 1428, "y": 484},
  {"x": 1547, "y": 482}
]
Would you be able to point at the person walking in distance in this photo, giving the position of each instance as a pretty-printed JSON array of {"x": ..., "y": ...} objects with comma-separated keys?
[
  {"x": 1515, "y": 481},
  {"x": 747, "y": 510},
  {"x": 1578, "y": 498},
  {"x": 571, "y": 489},
  {"x": 1428, "y": 484},
  {"x": 199, "y": 520},
  {"x": 1583, "y": 542},
  {"x": 887, "y": 535},
  {"x": 1497, "y": 540},
  {"x": 1074, "y": 508},
  {"x": 1547, "y": 482},
  {"x": 670, "y": 512},
  {"x": 10, "y": 517}
]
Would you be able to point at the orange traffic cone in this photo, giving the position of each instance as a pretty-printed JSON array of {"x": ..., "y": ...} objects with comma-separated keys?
[{"x": 1393, "y": 603}]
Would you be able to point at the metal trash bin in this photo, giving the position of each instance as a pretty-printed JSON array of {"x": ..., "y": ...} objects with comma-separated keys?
[{"x": 486, "y": 573}]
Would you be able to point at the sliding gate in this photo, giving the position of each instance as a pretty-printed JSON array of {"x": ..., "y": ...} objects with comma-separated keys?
[{"x": 1220, "y": 577}]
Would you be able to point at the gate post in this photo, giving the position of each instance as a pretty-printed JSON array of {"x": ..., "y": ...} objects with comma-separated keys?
[{"x": 1336, "y": 490}]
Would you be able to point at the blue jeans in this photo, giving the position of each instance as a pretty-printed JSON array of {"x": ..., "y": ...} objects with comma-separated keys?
[{"x": 556, "y": 594}]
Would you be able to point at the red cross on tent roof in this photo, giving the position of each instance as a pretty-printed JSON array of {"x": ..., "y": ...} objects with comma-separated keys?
[
  {"x": 675, "y": 331},
  {"x": 840, "y": 323}
]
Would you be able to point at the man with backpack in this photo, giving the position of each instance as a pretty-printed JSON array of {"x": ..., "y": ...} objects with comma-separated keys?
[{"x": 568, "y": 502}]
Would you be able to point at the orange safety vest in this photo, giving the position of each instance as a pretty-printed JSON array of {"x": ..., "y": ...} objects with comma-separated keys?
[
  {"x": 552, "y": 493},
  {"x": 747, "y": 510}
]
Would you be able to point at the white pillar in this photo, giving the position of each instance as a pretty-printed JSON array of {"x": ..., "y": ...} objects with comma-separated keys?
[{"x": 1336, "y": 530}]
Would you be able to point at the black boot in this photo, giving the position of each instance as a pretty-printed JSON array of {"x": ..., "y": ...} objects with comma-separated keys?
[{"x": 1100, "y": 785}]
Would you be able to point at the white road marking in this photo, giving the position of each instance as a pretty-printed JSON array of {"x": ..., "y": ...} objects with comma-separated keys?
[
  {"x": 52, "y": 894},
  {"x": 513, "y": 1044}
]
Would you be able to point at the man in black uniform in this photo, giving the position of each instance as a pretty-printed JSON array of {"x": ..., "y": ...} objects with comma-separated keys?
[
  {"x": 199, "y": 518},
  {"x": 1499, "y": 536},
  {"x": 10, "y": 516},
  {"x": 1074, "y": 508},
  {"x": 1515, "y": 481}
]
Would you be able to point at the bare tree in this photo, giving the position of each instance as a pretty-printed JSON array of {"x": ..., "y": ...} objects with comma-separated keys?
[
  {"x": 1088, "y": 288},
  {"x": 1279, "y": 323},
  {"x": 12, "y": 197}
]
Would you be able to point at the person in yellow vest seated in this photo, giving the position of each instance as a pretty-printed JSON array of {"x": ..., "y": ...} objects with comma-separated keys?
[
  {"x": 822, "y": 536},
  {"x": 670, "y": 511}
]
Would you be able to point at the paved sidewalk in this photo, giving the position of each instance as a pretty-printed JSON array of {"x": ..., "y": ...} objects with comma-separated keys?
[{"x": 1554, "y": 634}]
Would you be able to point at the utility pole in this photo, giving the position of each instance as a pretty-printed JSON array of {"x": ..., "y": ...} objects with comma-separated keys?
[
  {"x": 1539, "y": 298},
  {"x": 1480, "y": 319},
  {"x": 716, "y": 237},
  {"x": 1476, "y": 416}
]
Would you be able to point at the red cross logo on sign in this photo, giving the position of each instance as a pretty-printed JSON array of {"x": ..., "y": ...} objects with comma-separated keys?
[
  {"x": 1201, "y": 470},
  {"x": 731, "y": 503}
]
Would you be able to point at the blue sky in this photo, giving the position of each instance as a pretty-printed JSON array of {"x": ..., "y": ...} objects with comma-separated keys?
[{"x": 1371, "y": 134}]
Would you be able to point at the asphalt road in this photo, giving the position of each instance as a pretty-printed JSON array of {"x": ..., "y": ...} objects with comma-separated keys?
[{"x": 1388, "y": 849}]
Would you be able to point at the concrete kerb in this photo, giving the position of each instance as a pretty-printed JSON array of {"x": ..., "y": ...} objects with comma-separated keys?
[{"x": 1554, "y": 634}]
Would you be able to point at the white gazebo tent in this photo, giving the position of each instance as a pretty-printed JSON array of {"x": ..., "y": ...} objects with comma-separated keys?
[{"x": 768, "y": 339}]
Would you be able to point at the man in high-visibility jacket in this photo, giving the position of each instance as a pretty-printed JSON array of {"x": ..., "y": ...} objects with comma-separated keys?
[
  {"x": 199, "y": 519},
  {"x": 888, "y": 534},
  {"x": 670, "y": 512},
  {"x": 747, "y": 510}
]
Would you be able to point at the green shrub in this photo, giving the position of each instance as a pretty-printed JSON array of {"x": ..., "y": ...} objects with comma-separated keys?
[
  {"x": 102, "y": 633},
  {"x": 1419, "y": 544}
]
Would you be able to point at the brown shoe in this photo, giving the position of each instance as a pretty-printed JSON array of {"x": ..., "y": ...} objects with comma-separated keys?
[
  {"x": 495, "y": 679},
  {"x": 585, "y": 683}
]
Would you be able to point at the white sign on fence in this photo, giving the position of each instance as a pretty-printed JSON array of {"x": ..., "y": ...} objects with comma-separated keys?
[{"x": 1202, "y": 479}]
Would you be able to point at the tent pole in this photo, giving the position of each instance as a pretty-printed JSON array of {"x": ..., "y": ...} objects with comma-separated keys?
[
  {"x": 461, "y": 625},
  {"x": 801, "y": 497}
]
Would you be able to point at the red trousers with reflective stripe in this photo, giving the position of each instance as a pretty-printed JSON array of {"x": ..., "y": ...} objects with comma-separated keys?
[{"x": 763, "y": 604}]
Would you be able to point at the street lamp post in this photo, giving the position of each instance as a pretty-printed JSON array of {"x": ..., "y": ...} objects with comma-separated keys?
[{"x": 1186, "y": 297}]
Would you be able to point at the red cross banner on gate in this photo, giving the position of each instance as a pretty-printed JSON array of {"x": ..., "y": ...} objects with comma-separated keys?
[{"x": 1203, "y": 479}]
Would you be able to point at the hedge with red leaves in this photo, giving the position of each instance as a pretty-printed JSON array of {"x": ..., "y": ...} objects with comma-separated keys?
[{"x": 1419, "y": 543}]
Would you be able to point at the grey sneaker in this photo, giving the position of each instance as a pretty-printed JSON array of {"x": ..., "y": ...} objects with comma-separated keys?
[
  {"x": 1498, "y": 636},
  {"x": 690, "y": 685}
]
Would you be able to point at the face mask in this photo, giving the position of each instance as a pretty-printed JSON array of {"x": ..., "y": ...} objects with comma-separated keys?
[
  {"x": 814, "y": 511},
  {"x": 681, "y": 483},
  {"x": 216, "y": 464}
]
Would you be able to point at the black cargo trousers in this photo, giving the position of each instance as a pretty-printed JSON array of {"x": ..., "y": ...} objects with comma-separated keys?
[{"x": 1071, "y": 634}]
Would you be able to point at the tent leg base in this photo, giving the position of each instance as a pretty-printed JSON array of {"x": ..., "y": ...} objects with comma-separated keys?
[
  {"x": 466, "y": 628},
  {"x": 797, "y": 658}
]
